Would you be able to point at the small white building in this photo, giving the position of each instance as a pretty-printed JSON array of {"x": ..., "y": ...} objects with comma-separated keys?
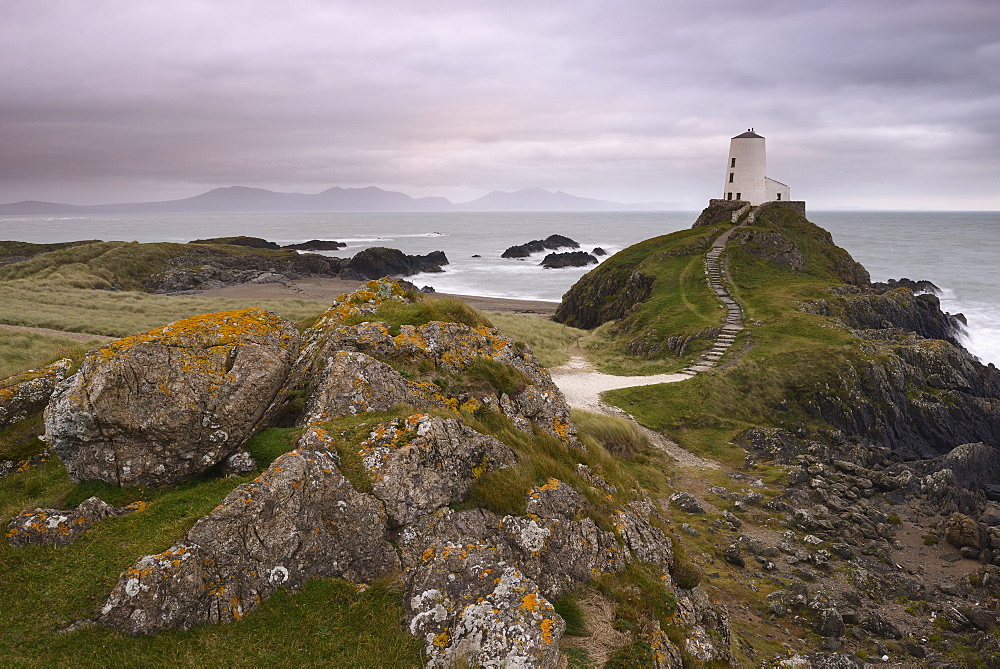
[{"x": 746, "y": 172}]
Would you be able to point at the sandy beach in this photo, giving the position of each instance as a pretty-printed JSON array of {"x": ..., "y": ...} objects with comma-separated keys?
[{"x": 326, "y": 290}]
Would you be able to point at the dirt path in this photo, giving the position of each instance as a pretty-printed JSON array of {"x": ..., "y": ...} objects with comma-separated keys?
[
  {"x": 75, "y": 336},
  {"x": 582, "y": 385}
]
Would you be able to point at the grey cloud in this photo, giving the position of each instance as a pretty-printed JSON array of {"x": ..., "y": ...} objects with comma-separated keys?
[{"x": 634, "y": 99}]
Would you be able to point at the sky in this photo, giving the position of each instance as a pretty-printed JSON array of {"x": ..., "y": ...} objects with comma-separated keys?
[{"x": 875, "y": 105}]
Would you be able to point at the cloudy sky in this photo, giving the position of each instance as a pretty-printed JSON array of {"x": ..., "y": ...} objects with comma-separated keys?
[{"x": 887, "y": 104}]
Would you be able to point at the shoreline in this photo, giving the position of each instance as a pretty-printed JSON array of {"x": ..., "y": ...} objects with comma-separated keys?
[{"x": 328, "y": 289}]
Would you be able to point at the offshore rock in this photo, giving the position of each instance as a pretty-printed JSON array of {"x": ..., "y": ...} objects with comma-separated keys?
[
  {"x": 377, "y": 261},
  {"x": 420, "y": 463},
  {"x": 571, "y": 259},
  {"x": 300, "y": 519},
  {"x": 51, "y": 527},
  {"x": 156, "y": 408},
  {"x": 550, "y": 243},
  {"x": 26, "y": 394}
]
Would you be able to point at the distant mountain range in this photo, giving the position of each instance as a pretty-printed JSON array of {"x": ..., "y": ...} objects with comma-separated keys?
[{"x": 241, "y": 199}]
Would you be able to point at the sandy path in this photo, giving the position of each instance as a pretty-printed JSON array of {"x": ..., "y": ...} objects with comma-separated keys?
[{"x": 582, "y": 385}]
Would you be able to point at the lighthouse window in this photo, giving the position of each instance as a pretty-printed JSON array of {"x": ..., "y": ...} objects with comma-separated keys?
[
  {"x": 729, "y": 195},
  {"x": 779, "y": 196},
  {"x": 733, "y": 164},
  {"x": 730, "y": 177},
  {"x": 738, "y": 196}
]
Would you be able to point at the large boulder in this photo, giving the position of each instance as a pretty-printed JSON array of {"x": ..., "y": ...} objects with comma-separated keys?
[
  {"x": 28, "y": 393},
  {"x": 52, "y": 527},
  {"x": 156, "y": 408},
  {"x": 353, "y": 383},
  {"x": 298, "y": 520},
  {"x": 451, "y": 348},
  {"x": 420, "y": 463}
]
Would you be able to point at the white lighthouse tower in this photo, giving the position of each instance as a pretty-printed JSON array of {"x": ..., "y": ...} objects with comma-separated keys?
[{"x": 746, "y": 172}]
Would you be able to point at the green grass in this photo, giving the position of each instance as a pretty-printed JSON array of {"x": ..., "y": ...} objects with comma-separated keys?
[
  {"x": 618, "y": 436},
  {"x": 395, "y": 313},
  {"x": 778, "y": 361},
  {"x": 46, "y": 589},
  {"x": 58, "y": 306},
  {"x": 549, "y": 341},
  {"x": 23, "y": 350},
  {"x": 681, "y": 303}
]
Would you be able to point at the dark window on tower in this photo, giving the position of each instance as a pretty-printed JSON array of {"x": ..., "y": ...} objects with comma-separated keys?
[
  {"x": 733, "y": 164},
  {"x": 738, "y": 196},
  {"x": 729, "y": 196},
  {"x": 731, "y": 177},
  {"x": 779, "y": 196}
]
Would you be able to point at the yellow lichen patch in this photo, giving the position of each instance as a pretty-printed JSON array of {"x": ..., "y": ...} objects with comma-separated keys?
[
  {"x": 548, "y": 625},
  {"x": 529, "y": 602},
  {"x": 441, "y": 640}
]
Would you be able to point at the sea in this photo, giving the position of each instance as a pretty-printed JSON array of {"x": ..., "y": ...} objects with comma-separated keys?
[{"x": 957, "y": 251}]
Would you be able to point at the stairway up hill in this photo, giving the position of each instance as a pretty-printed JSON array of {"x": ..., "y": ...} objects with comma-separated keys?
[{"x": 810, "y": 346}]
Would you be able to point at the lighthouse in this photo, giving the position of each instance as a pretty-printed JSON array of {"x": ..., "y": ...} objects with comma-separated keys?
[{"x": 746, "y": 172}]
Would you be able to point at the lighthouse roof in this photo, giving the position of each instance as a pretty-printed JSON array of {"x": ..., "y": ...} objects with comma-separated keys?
[{"x": 749, "y": 134}]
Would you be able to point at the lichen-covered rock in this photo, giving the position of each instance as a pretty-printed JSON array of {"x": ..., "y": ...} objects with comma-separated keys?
[
  {"x": 314, "y": 351},
  {"x": 26, "y": 394},
  {"x": 709, "y": 631},
  {"x": 51, "y": 527},
  {"x": 469, "y": 603},
  {"x": 450, "y": 347},
  {"x": 298, "y": 520},
  {"x": 353, "y": 383},
  {"x": 420, "y": 463},
  {"x": 509, "y": 625},
  {"x": 159, "y": 407},
  {"x": 555, "y": 544}
]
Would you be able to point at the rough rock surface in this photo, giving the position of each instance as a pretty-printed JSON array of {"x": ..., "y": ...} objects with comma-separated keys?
[
  {"x": 353, "y": 383},
  {"x": 451, "y": 347},
  {"x": 156, "y": 408},
  {"x": 420, "y": 463},
  {"x": 550, "y": 243},
  {"x": 377, "y": 261},
  {"x": 26, "y": 394},
  {"x": 769, "y": 245},
  {"x": 51, "y": 527},
  {"x": 571, "y": 259},
  {"x": 298, "y": 520},
  {"x": 901, "y": 309}
]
